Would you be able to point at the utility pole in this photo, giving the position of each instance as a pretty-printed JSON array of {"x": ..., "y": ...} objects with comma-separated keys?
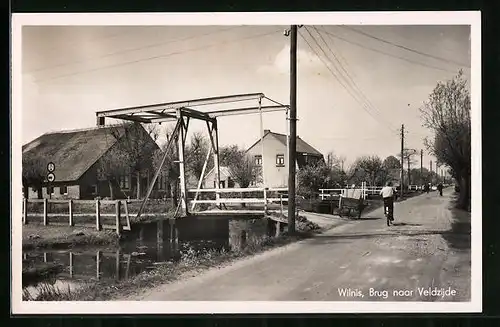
[
  {"x": 402, "y": 158},
  {"x": 409, "y": 179},
  {"x": 293, "y": 129},
  {"x": 431, "y": 171},
  {"x": 421, "y": 167}
]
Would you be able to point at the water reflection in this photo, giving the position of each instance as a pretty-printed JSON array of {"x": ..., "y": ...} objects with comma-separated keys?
[{"x": 150, "y": 244}]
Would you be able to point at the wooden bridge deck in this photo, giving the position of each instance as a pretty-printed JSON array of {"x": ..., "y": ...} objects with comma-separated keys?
[{"x": 251, "y": 214}]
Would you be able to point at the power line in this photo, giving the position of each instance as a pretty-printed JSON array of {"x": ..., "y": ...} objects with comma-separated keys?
[
  {"x": 158, "y": 56},
  {"x": 363, "y": 105},
  {"x": 155, "y": 45},
  {"x": 386, "y": 53},
  {"x": 100, "y": 37},
  {"x": 335, "y": 76},
  {"x": 405, "y": 48},
  {"x": 368, "y": 103},
  {"x": 347, "y": 73}
]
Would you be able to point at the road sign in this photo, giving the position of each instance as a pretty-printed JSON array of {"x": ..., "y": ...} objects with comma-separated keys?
[
  {"x": 51, "y": 177},
  {"x": 51, "y": 167}
]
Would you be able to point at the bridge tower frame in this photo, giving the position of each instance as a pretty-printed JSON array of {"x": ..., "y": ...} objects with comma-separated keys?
[{"x": 182, "y": 112}]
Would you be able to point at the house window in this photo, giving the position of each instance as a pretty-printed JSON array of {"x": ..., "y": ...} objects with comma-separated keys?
[
  {"x": 50, "y": 190},
  {"x": 63, "y": 190},
  {"x": 258, "y": 160},
  {"x": 125, "y": 182},
  {"x": 280, "y": 160},
  {"x": 93, "y": 189}
]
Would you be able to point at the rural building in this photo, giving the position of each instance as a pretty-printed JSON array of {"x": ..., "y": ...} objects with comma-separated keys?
[
  {"x": 78, "y": 156},
  {"x": 226, "y": 180},
  {"x": 275, "y": 157}
]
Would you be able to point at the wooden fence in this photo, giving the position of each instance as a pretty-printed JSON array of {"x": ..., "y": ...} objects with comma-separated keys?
[{"x": 71, "y": 215}]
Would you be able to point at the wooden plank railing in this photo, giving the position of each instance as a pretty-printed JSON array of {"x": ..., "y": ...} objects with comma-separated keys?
[
  {"x": 265, "y": 200},
  {"x": 71, "y": 214}
]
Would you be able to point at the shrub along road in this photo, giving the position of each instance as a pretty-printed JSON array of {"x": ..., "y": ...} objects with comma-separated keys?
[{"x": 424, "y": 256}]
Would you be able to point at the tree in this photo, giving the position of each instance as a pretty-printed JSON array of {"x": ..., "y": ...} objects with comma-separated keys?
[
  {"x": 335, "y": 162},
  {"x": 447, "y": 114},
  {"x": 170, "y": 168},
  {"x": 136, "y": 148},
  {"x": 33, "y": 175},
  {"x": 311, "y": 178},
  {"x": 240, "y": 165},
  {"x": 112, "y": 166},
  {"x": 391, "y": 162},
  {"x": 196, "y": 154},
  {"x": 408, "y": 155},
  {"x": 373, "y": 169}
]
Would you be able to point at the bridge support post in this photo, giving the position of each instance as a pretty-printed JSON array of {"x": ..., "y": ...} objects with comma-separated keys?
[
  {"x": 214, "y": 140},
  {"x": 278, "y": 229},
  {"x": 182, "y": 170}
]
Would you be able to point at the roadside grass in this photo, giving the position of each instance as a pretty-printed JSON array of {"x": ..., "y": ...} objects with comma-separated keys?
[
  {"x": 36, "y": 236},
  {"x": 191, "y": 263}
]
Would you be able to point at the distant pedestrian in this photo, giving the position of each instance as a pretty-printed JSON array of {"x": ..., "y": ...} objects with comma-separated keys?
[
  {"x": 440, "y": 189},
  {"x": 427, "y": 187},
  {"x": 387, "y": 193}
]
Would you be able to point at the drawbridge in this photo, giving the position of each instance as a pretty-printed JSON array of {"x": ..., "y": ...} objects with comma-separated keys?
[{"x": 208, "y": 110}]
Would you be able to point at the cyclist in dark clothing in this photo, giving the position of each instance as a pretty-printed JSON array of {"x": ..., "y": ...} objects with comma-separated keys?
[{"x": 440, "y": 189}]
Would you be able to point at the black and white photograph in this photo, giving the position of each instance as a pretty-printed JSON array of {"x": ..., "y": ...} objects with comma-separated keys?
[{"x": 246, "y": 163}]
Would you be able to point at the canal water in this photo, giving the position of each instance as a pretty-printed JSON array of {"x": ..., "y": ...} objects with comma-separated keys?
[{"x": 144, "y": 247}]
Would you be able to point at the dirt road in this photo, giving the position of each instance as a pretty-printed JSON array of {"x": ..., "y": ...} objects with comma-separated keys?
[{"x": 424, "y": 256}]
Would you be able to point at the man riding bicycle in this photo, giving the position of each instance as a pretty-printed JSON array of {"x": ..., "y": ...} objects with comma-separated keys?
[{"x": 387, "y": 194}]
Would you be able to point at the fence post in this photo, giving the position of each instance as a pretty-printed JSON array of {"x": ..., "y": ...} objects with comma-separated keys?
[
  {"x": 45, "y": 213},
  {"x": 265, "y": 200},
  {"x": 71, "y": 264},
  {"x": 98, "y": 265},
  {"x": 118, "y": 225},
  {"x": 71, "y": 213},
  {"x": 98, "y": 215},
  {"x": 281, "y": 204},
  {"x": 25, "y": 212}
]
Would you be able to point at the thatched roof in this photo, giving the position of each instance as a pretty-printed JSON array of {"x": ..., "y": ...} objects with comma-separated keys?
[{"x": 73, "y": 152}]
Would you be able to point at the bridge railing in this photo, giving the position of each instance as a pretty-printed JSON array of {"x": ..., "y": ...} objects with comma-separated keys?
[{"x": 265, "y": 196}]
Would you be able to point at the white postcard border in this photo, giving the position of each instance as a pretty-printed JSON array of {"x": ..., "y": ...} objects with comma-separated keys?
[{"x": 472, "y": 18}]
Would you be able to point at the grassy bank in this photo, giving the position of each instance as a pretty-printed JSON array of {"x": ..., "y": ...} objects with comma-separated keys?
[
  {"x": 191, "y": 263},
  {"x": 32, "y": 273},
  {"x": 59, "y": 237}
]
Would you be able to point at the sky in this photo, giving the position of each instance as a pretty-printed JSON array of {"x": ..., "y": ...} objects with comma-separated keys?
[{"x": 70, "y": 72}]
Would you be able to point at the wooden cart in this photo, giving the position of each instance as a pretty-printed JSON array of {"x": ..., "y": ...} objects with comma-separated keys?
[{"x": 349, "y": 204}]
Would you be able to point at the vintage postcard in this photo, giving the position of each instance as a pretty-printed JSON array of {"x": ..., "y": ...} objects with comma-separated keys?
[{"x": 246, "y": 163}]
